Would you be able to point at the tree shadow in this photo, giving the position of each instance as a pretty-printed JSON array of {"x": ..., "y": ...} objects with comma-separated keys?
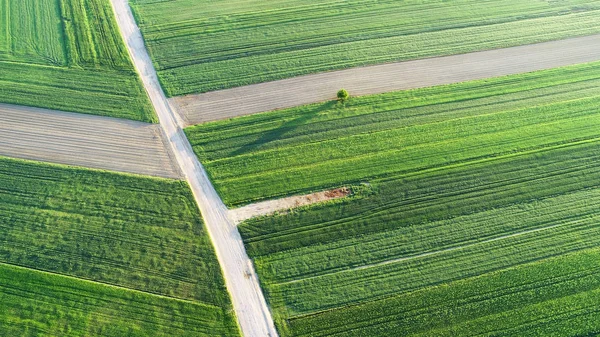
[{"x": 278, "y": 133}]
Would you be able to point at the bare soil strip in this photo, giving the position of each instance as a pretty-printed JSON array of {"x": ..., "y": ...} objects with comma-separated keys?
[
  {"x": 273, "y": 206},
  {"x": 85, "y": 140},
  {"x": 241, "y": 280},
  {"x": 223, "y": 104}
]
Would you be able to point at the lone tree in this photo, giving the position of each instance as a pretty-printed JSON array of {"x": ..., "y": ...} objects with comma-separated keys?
[{"x": 342, "y": 95}]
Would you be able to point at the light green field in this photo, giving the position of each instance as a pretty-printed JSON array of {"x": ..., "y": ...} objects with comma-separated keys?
[
  {"x": 41, "y": 304},
  {"x": 200, "y": 46},
  {"x": 325, "y": 145},
  {"x": 68, "y": 55},
  {"x": 464, "y": 180},
  {"x": 553, "y": 297},
  {"x": 140, "y": 233}
]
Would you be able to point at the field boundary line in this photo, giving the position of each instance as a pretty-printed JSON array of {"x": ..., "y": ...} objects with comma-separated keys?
[
  {"x": 111, "y": 285},
  {"x": 422, "y": 255}
]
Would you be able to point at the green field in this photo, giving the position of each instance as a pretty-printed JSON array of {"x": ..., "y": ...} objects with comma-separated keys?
[
  {"x": 200, "y": 46},
  {"x": 68, "y": 55},
  {"x": 553, "y": 297},
  {"x": 140, "y": 233},
  {"x": 325, "y": 145},
  {"x": 41, "y": 304},
  {"x": 471, "y": 185}
]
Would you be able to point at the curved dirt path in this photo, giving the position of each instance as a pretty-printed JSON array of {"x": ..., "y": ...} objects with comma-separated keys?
[
  {"x": 376, "y": 79},
  {"x": 85, "y": 140},
  {"x": 249, "y": 303}
]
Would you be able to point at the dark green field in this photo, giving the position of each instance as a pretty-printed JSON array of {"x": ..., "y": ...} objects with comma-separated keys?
[
  {"x": 200, "y": 46},
  {"x": 464, "y": 195},
  {"x": 68, "y": 55},
  {"x": 143, "y": 234}
]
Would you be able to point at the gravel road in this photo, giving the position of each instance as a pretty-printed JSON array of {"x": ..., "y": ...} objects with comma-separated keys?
[
  {"x": 85, "y": 140},
  {"x": 249, "y": 303},
  {"x": 296, "y": 91}
]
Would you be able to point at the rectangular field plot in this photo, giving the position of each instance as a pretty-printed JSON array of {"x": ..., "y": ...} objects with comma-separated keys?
[
  {"x": 145, "y": 234},
  {"x": 82, "y": 308},
  {"x": 33, "y": 31},
  {"x": 475, "y": 206},
  {"x": 327, "y": 145},
  {"x": 68, "y": 55},
  {"x": 413, "y": 233},
  {"x": 204, "y": 46},
  {"x": 553, "y": 297}
]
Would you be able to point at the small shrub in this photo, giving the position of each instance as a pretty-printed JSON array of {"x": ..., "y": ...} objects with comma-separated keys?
[{"x": 342, "y": 95}]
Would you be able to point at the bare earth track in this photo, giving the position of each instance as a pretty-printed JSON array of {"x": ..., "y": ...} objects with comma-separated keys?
[
  {"x": 223, "y": 104},
  {"x": 241, "y": 280},
  {"x": 85, "y": 140},
  {"x": 285, "y": 204}
]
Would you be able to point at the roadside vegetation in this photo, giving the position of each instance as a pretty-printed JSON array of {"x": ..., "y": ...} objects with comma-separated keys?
[
  {"x": 223, "y": 44},
  {"x": 469, "y": 184},
  {"x": 141, "y": 233},
  {"x": 68, "y": 55}
]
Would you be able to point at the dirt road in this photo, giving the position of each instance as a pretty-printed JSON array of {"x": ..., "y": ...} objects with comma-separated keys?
[
  {"x": 249, "y": 303},
  {"x": 384, "y": 78},
  {"x": 85, "y": 140}
]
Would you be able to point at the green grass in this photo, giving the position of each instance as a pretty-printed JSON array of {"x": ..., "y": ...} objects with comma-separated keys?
[
  {"x": 136, "y": 232},
  {"x": 465, "y": 180},
  {"x": 204, "y": 46},
  {"x": 68, "y": 55},
  {"x": 40, "y": 304},
  {"x": 326, "y": 145}
]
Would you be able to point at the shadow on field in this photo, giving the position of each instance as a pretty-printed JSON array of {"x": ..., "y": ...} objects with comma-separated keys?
[{"x": 278, "y": 133}]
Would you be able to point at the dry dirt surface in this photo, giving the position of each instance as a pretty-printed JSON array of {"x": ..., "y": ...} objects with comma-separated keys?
[
  {"x": 273, "y": 206},
  {"x": 223, "y": 104},
  {"x": 85, "y": 140},
  {"x": 241, "y": 280}
]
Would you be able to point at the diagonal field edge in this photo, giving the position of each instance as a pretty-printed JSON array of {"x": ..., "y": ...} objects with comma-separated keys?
[
  {"x": 248, "y": 301},
  {"x": 110, "y": 285}
]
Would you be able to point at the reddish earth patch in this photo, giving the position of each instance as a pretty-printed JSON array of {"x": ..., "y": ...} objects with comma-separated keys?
[{"x": 272, "y": 206}]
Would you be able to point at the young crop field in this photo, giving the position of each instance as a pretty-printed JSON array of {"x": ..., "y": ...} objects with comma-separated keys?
[
  {"x": 55, "y": 305},
  {"x": 328, "y": 145},
  {"x": 199, "y": 46},
  {"x": 475, "y": 207},
  {"x": 140, "y": 233},
  {"x": 68, "y": 55}
]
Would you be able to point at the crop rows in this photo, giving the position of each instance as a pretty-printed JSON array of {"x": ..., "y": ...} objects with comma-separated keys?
[
  {"x": 226, "y": 44},
  {"x": 557, "y": 296},
  {"x": 325, "y": 145},
  {"x": 140, "y": 233},
  {"x": 85, "y": 140},
  {"x": 21, "y": 40},
  {"x": 68, "y": 55},
  {"x": 427, "y": 230},
  {"x": 462, "y": 180},
  {"x": 469, "y": 207},
  {"x": 78, "y": 307}
]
